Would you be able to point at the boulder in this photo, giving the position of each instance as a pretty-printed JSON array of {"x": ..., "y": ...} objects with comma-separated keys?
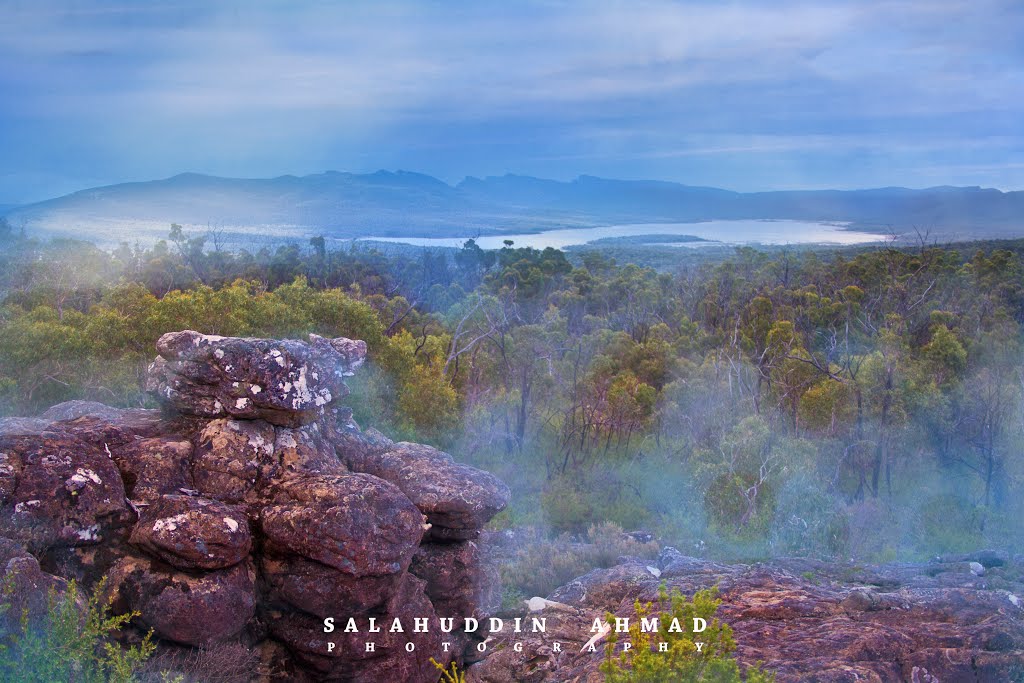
[
  {"x": 72, "y": 410},
  {"x": 354, "y": 446},
  {"x": 286, "y": 383},
  {"x": 151, "y": 468},
  {"x": 193, "y": 533},
  {"x": 350, "y": 660},
  {"x": 460, "y": 582},
  {"x": 230, "y": 456},
  {"x": 27, "y": 588},
  {"x": 303, "y": 450},
  {"x": 246, "y": 511},
  {"x": 59, "y": 491},
  {"x": 355, "y": 523},
  {"x": 197, "y": 610},
  {"x": 451, "y": 495},
  {"x": 22, "y": 426},
  {"x": 319, "y": 590}
]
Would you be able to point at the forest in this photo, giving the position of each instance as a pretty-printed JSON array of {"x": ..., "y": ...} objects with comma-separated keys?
[{"x": 857, "y": 403}]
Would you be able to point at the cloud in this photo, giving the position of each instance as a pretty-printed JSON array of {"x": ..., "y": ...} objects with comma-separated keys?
[{"x": 252, "y": 86}]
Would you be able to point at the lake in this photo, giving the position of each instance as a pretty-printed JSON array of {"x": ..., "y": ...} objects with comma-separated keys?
[{"x": 777, "y": 232}]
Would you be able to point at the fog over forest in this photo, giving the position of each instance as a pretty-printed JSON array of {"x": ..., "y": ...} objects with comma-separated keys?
[{"x": 862, "y": 402}]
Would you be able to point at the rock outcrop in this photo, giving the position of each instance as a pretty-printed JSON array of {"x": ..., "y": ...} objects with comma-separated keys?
[
  {"x": 806, "y": 620},
  {"x": 286, "y": 383},
  {"x": 249, "y": 510}
]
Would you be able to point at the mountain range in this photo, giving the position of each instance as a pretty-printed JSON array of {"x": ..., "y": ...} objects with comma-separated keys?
[{"x": 406, "y": 204}]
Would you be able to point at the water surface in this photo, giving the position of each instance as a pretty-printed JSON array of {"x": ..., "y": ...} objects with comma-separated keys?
[{"x": 774, "y": 232}]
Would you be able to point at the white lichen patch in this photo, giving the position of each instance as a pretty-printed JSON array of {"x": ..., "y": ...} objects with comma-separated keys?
[
  {"x": 303, "y": 394},
  {"x": 242, "y": 404},
  {"x": 286, "y": 440},
  {"x": 231, "y": 524},
  {"x": 83, "y": 475},
  {"x": 255, "y": 388},
  {"x": 24, "y": 507},
  {"x": 219, "y": 353},
  {"x": 89, "y": 534},
  {"x": 257, "y": 442},
  {"x": 169, "y": 523},
  {"x": 323, "y": 397},
  {"x": 218, "y": 407}
]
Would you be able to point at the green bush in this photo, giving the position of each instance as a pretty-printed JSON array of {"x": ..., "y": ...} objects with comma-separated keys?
[
  {"x": 567, "y": 508},
  {"x": 543, "y": 565},
  {"x": 727, "y": 507},
  {"x": 682, "y": 663},
  {"x": 72, "y": 644},
  {"x": 950, "y": 524}
]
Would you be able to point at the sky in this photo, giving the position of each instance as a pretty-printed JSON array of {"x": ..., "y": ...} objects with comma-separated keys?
[{"x": 742, "y": 95}]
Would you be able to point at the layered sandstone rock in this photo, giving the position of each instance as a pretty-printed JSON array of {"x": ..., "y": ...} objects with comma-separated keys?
[{"x": 249, "y": 510}]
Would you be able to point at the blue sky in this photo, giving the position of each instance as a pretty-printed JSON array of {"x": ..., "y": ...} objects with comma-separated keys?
[{"x": 742, "y": 95}]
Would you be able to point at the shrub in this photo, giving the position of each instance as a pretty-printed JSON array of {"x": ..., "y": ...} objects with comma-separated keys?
[
  {"x": 950, "y": 523},
  {"x": 220, "y": 663},
  {"x": 544, "y": 565},
  {"x": 450, "y": 674},
  {"x": 682, "y": 663},
  {"x": 73, "y": 644},
  {"x": 567, "y": 508}
]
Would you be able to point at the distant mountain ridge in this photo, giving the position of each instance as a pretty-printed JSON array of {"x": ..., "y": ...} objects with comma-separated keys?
[{"x": 403, "y": 203}]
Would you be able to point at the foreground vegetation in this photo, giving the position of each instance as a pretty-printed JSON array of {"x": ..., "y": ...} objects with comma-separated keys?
[
  {"x": 72, "y": 642},
  {"x": 860, "y": 403},
  {"x": 669, "y": 653}
]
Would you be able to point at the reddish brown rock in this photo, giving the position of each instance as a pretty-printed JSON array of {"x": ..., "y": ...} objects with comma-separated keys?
[
  {"x": 807, "y": 620},
  {"x": 450, "y": 495},
  {"x": 186, "y": 608},
  {"x": 65, "y": 492},
  {"x": 10, "y": 465},
  {"x": 344, "y": 656},
  {"x": 211, "y": 499},
  {"x": 320, "y": 590},
  {"x": 286, "y": 383},
  {"x": 355, "y": 523},
  {"x": 303, "y": 450},
  {"x": 354, "y": 446},
  {"x": 193, "y": 533},
  {"x": 27, "y": 589},
  {"x": 154, "y": 467},
  {"x": 229, "y": 458},
  {"x": 460, "y": 581},
  {"x": 114, "y": 427}
]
